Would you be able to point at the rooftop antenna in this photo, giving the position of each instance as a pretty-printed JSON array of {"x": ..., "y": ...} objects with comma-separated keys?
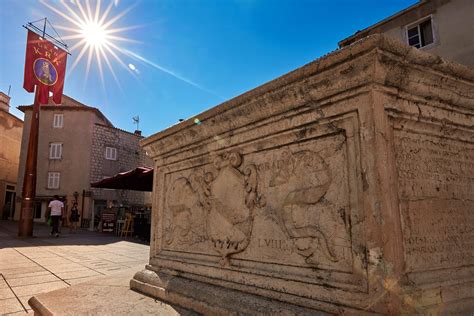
[
  {"x": 136, "y": 120},
  {"x": 9, "y": 88}
]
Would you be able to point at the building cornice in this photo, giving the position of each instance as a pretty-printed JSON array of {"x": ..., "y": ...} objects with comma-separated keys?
[
  {"x": 13, "y": 116},
  {"x": 121, "y": 130},
  {"x": 365, "y": 63},
  {"x": 49, "y": 107}
]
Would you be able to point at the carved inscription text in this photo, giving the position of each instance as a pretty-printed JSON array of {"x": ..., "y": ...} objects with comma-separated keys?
[{"x": 436, "y": 185}]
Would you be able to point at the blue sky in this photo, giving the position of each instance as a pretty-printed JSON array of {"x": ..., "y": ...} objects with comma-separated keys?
[{"x": 209, "y": 51}]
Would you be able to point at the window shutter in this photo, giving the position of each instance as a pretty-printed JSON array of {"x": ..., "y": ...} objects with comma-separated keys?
[
  {"x": 53, "y": 180},
  {"x": 58, "y": 120},
  {"x": 55, "y": 151}
]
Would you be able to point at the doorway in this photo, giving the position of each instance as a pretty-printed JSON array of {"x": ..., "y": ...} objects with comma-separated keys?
[{"x": 9, "y": 207}]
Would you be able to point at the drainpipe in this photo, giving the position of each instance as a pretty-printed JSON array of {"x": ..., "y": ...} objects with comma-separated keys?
[{"x": 91, "y": 224}]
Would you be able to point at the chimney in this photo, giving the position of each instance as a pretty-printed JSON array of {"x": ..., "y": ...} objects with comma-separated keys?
[
  {"x": 4, "y": 102},
  {"x": 138, "y": 132}
]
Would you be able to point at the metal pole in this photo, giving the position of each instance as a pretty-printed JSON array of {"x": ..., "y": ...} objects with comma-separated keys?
[
  {"x": 91, "y": 224},
  {"x": 44, "y": 28},
  {"x": 25, "y": 226},
  {"x": 82, "y": 206}
]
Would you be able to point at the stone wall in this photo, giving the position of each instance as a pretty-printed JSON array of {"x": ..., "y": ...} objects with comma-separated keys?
[
  {"x": 345, "y": 186},
  {"x": 129, "y": 156},
  {"x": 11, "y": 129}
]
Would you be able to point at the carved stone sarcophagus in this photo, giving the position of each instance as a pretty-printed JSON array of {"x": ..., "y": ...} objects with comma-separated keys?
[{"x": 345, "y": 186}]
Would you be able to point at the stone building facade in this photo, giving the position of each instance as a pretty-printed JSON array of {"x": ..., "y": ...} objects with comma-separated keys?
[
  {"x": 11, "y": 129},
  {"x": 69, "y": 157},
  {"x": 125, "y": 154},
  {"x": 442, "y": 27}
]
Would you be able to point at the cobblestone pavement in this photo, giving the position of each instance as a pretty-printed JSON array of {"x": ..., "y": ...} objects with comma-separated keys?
[{"x": 30, "y": 266}]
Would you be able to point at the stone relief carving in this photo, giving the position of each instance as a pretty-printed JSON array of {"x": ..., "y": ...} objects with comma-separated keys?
[
  {"x": 306, "y": 177},
  {"x": 232, "y": 202},
  {"x": 184, "y": 225},
  {"x": 222, "y": 200}
]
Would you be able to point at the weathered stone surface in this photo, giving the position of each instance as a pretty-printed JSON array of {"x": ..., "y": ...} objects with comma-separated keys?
[{"x": 345, "y": 186}]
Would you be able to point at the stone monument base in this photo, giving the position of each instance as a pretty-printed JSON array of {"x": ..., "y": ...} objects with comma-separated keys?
[
  {"x": 209, "y": 299},
  {"x": 345, "y": 186}
]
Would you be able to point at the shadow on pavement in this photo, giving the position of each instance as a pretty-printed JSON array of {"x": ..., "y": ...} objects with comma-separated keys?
[{"x": 41, "y": 237}]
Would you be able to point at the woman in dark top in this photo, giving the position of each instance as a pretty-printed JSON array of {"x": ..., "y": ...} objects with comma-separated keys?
[{"x": 74, "y": 218}]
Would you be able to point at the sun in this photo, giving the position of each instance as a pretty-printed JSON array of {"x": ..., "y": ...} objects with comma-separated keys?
[
  {"x": 94, "y": 34},
  {"x": 92, "y": 30}
]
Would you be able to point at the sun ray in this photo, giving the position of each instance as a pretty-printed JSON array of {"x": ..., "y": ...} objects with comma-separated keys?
[
  {"x": 74, "y": 36},
  {"x": 84, "y": 15},
  {"x": 165, "y": 70},
  {"x": 109, "y": 65},
  {"x": 118, "y": 59},
  {"x": 58, "y": 12},
  {"x": 97, "y": 12},
  {"x": 89, "y": 11},
  {"x": 99, "y": 63},
  {"x": 71, "y": 11},
  {"x": 106, "y": 13},
  {"x": 124, "y": 29},
  {"x": 78, "y": 59},
  {"x": 66, "y": 28},
  {"x": 123, "y": 39},
  {"x": 89, "y": 61},
  {"x": 78, "y": 44},
  {"x": 119, "y": 16}
]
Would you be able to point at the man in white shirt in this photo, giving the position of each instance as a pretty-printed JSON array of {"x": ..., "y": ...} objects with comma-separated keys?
[{"x": 56, "y": 208}]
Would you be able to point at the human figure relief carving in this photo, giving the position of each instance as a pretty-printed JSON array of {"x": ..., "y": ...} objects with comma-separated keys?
[
  {"x": 306, "y": 177},
  {"x": 185, "y": 224},
  {"x": 232, "y": 202}
]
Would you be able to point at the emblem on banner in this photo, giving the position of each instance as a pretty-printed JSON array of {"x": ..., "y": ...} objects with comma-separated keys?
[{"x": 45, "y": 72}]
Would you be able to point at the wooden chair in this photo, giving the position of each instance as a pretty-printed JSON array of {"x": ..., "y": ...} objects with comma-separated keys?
[{"x": 127, "y": 226}]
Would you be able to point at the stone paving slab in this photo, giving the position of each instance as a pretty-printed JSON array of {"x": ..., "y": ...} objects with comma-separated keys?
[
  {"x": 6, "y": 293},
  {"x": 11, "y": 305},
  {"x": 31, "y": 266},
  {"x": 33, "y": 280},
  {"x": 12, "y": 273},
  {"x": 33, "y": 289},
  {"x": 103, "y": 296},
  {"x": 26, "y": 275},
  {"x": 77, "y": 274}
]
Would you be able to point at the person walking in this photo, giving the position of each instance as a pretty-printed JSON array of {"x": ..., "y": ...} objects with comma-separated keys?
[
  {"x": 74, "y": 218},
  {"x": 56, "y": 209}
]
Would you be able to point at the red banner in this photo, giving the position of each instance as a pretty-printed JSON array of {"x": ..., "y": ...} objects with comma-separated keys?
[{"x": 45, "y": 66}]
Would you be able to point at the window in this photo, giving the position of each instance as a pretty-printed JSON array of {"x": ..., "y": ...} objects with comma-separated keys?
[
  {"x": 53, "y": 180},
  {"x": 58, "y": 120},
  {"x": 110, "y": 153},
  {"x": 55, "y": 150},
  {"x": 420, "y": 34}
]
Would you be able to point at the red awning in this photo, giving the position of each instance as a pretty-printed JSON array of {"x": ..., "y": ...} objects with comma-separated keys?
[{"x": 139, "y": 179}]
